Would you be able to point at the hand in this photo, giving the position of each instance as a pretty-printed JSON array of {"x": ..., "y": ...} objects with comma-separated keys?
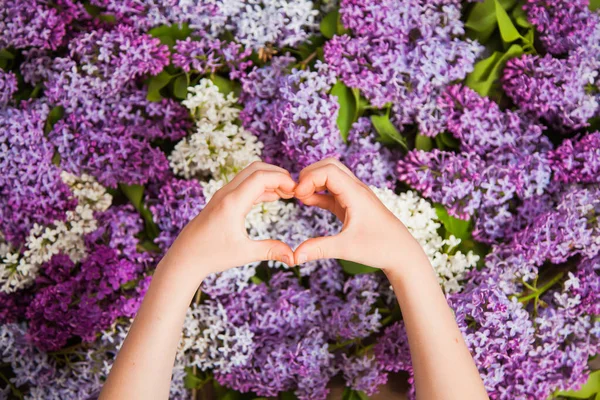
[
  {"x": 371, "y": 234},
  {"x": 217, "y": 239}
]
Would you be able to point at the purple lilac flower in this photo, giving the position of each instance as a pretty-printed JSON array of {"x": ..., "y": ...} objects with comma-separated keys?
[
  {"x": 363, "y": 373},
  {"x": 552, "y": 89},
  {"x": 403, "y": 52},
  {"x": 110, "y": 154},
  {"x": 563, "y": 24},
  {"x": 31, "y": 190},
  {"x": 503, "y": 157},
  {"x": 83, "y": 304},
  {"x": 371, "y": 162},
  {"x": 353, "y": 318},
  {"x": 13, "y": 306},
  {"x": 176, "y": 203},
  {"x": 392, "y": 352},
  {"x": 118, "y": 228},
  {"x": 293, "y": 115},
  {"x": 292, "y": 351},
  {"x": 577, "y": 160},
  {"x": 564, "y": 231},
  {"x": 30, "y": 23},
  {"x": 8, "y": 85},
  {"x": 499, "y": 334},
  {"x": 209, "y": 55}
]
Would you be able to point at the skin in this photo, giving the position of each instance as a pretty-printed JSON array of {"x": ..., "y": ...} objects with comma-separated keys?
[{"x": 371, "y": 234}]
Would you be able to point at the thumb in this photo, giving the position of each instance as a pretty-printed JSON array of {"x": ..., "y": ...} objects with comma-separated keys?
[
  {"x": 271, "y": 249},
  {"x": 318, "y": 248}
]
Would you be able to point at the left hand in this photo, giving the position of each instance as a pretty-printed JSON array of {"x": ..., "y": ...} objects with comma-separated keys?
[{"x": 217, "y": 240}]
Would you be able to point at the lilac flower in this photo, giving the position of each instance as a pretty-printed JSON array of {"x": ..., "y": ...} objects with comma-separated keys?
[
  {"x": 176, "y": 203},
  {"x": 110, "y": 154},
  {"x": 404, "y": 53},
  {"x": 371, "y": 162},
  {"x": 31, "y": 190},
  {"x": 84, "y": 304},
  {"x": 8, "y": 85},
  {"x": 551, "y": 88},
  {"x": 291, "y": 350},
  {"x": 292, "y": 114},
  {"x": 206, "y": 56},
  {"x": 503, "y": 157},
  {"x": 577, "y": 160},
  {"x": 29, "y": 23},
  {"x": 361, "y": 374},
  {"x": 563, "y": 24}
]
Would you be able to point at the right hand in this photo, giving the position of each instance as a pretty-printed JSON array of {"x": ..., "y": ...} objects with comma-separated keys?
[{"x": 371, "y": 234}]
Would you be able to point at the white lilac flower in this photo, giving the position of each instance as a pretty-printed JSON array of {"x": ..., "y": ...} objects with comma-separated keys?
[
  {"x": 218, "y": 147},
  {"x": 421, "y": 220},
  {"x": 19, "y": 269}
]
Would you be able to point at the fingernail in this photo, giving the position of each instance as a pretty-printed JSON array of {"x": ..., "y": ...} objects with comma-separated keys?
[
  {"x": 286, "y": 260},
  {"x": 302, "y": 258}
]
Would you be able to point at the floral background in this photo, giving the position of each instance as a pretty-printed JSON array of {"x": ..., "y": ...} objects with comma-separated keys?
[{"x": 474, "y": 122}]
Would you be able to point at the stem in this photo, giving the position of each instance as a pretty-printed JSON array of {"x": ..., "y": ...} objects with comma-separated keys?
[
  {"x": 338, "y": 346},
  {"x": 543, "y": 289},
  {"x": 308, "y": 59}
]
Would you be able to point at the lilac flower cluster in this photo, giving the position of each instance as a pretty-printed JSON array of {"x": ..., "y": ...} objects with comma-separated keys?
[
  {"x": 97, "y": 181},
  {"x": 31, "y": 191},
  {"x": 292, "y": 114},
  {"x": 403, "y": 53},
  {"x": 503, "y": 157}
]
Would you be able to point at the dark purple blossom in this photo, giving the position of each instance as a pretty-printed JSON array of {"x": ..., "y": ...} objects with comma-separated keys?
[{"x": 577, "y": 160}]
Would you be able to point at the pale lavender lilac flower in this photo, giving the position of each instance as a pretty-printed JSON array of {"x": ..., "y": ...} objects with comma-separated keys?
[
  {"x": 293, "y": 115},
  {"x": 370, "y": 161},
  {"x": 404, "y": 53},
  {"x": 363, "y": 373},
  {"x": 207, "y": 56}
]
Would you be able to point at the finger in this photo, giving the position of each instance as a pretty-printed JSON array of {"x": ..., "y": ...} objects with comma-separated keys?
[
  {"x": 267, "y": 197},
  {"x": 327, "y": 161},
  {"x": 250, "y": 169},
  {"x": 326, "y": 202},
  {"x": 259, "y": 183},
  {"x": 331, "y": 177},
  {"x": 270, "y": 249},
  {"x": 319, "y": 248}
]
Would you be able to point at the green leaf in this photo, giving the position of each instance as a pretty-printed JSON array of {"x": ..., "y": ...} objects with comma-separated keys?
[
  {"x": 329, "y": 24},
  {"x": 482, "y": 20},
  {"x": 449, "y": 140},
  {"x": 508, "y": 31},
  {"x": 180, "y": 87},
  {"x": 387, "y": 131},
  {"x": 287, "y": 396},
  {"x": 156, "y": 83},
  {"x": 225, "y": 85},
  {"x": 520, "y": 17},
  {"x": 135, "y": 194},
  {"x": 591, "y": 387},
  {"x": 54, "y": 116},
  {"x": 423, "y": 142},
  {"x": 6, "y": 55},
  {"x": 353, "y": 268},
  {"x": 256, "y": 280},
  {"x": 594, "y": 5},
  {"x": 169, "y": 34},
  {"x": 454, "y": 226},
  {"x": 487, "y": 72},
  {"x": 191, "y": 381},
  {"x": 347, "y": 114},
  {"x": 350, "y": 394}
]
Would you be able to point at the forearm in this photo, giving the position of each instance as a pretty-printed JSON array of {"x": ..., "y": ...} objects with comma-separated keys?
[
  {"x": 443, "y": 366},
  {"x": 144, "y": 364}
]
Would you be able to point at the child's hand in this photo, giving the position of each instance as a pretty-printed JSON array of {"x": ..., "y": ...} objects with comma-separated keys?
[
  {"x": 371, "y": 234},
  {"x": 217, "y": 239}
]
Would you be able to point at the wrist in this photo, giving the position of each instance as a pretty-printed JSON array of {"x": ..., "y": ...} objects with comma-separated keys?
[{"x": 180, "y": 276}]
